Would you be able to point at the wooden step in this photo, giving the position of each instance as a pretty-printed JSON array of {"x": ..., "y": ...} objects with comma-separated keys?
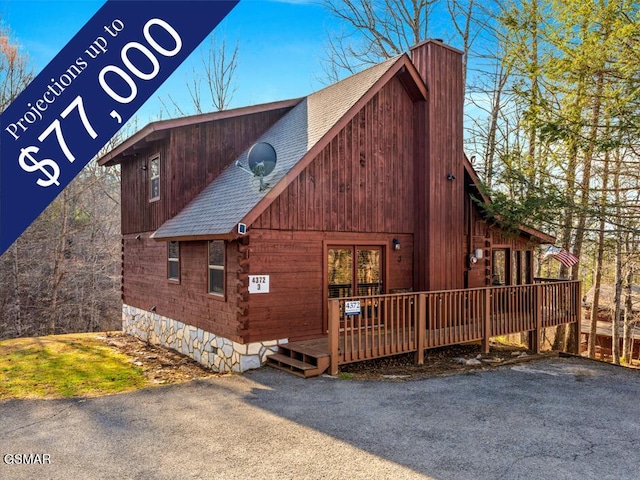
[
  {"x": 309, "y": 351},
  {"x": 307, "y": 358},
  {"x": 291, "y": 365}
]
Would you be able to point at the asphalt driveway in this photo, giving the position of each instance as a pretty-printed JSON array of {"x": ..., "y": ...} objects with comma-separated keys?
[{"x": 556, "y": 418}]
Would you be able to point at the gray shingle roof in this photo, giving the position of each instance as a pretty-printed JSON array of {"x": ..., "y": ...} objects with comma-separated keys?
[{"x": 234, "y": 193}]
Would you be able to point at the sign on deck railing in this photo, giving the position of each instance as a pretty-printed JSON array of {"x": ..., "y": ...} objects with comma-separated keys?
[{"x": 352, "y": 307}]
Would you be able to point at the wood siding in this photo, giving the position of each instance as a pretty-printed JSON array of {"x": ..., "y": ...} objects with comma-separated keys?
[
  {"x": 296, "y": 264},
  {"x": 362, "y": 181},
  {"x": 145, "y": 285},
  {"x": 488, "y": 237},
  {"x": 359, "y": 189},
  {"x": 190, "y": 158},
  {"x": 439, "y": 219}
]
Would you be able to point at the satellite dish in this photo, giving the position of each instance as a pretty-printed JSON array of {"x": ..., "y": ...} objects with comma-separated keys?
[{"x": 262, "y": 161}]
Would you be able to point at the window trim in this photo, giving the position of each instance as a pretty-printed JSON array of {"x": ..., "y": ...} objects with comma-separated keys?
[
  {"x": 219, "y": 296},
  {"x": 154, "y": 158},
  {"x": 174, "y": 260}
]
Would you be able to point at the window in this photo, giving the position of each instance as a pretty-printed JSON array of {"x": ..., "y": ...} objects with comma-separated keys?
[
  {"x": 501, "y": 263},
  {"x": 354, "y": 269},
  {"x": 173, "y": 261},
  {"x": 154, "y": 178},
  {"x": 216, "y": 267}
]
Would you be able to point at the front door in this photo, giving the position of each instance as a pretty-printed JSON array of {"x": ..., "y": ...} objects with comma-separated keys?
[{"x": 354, "y": 271}]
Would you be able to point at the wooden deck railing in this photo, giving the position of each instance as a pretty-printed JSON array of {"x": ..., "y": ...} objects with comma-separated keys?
[{"x": 384, "y": 325}]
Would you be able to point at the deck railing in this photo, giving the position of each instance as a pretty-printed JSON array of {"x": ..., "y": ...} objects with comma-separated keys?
[{"x": 367, "y": 327}]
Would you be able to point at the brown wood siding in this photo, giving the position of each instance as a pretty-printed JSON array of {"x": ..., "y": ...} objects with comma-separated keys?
[
  {"x": 487, "y": 237},
  {"x": 138, "y": 214},
  {"x": 145, "y": 285},
  {"x": 362, "y": 181},
  {"x": 190, "y": 158},
  {"x": 479, "y": 274},
  {"x": 440, "y": 206},
  {"x": 295, "y": 262}
]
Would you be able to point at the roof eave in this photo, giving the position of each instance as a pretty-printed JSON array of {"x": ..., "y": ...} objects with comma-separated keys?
[
  {"x": 537, "y": 234},
  {"x": 194, "y": 238},
  {"x": 111, "y": 158}
]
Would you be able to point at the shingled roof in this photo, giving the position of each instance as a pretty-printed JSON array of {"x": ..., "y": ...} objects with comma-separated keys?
[{"x": 235, "y": 196}]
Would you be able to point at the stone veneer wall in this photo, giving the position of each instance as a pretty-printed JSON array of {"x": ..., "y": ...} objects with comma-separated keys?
[{"x": 212, "y": 351}]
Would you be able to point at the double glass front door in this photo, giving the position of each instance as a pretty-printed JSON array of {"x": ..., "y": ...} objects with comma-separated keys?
[{"x": 354, "y": 271}]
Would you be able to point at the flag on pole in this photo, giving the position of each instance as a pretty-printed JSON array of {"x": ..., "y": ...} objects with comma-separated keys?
[{"x": 565, "y": 257}]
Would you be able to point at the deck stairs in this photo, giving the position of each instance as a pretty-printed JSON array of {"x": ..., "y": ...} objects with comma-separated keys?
[{"x": 305, "y": 359}]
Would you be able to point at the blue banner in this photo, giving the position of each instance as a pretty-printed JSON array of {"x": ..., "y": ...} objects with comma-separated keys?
[{"x": 85, "y": 95}]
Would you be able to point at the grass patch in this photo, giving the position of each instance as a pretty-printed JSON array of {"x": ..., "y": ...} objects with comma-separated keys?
[{"x": 63, "y": 366}]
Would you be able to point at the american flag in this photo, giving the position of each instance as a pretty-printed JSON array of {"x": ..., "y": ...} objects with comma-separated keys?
[{"x": 565, "y": 257}]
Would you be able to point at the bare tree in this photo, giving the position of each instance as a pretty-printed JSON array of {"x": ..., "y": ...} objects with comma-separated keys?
[
  {"x": 72, "y": 248},
  {"x": 15, "y": 72},
  {"x": 212, "y": 87},
  {"x": 15, "y": 75},
  {"x": 373, "y": 30}
]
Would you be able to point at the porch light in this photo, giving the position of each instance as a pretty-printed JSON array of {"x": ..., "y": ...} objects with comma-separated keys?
[
  {"x": 478, "y": 253},
  {"x": 396, "y": 244}
]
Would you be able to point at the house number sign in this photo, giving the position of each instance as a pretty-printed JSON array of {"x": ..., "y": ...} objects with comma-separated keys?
[
  {"x": 352, "y": 307},
  {"x": 258, "y": 283}
]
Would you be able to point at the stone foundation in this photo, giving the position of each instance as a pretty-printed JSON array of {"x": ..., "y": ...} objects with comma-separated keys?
[{"x": 218, "y": 353}]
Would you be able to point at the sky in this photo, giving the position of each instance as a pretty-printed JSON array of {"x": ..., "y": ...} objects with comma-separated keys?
[{"x": 280, "y": 46}]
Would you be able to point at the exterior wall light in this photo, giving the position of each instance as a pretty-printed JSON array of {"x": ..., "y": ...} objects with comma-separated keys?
[{"x": 396, "y": 244}]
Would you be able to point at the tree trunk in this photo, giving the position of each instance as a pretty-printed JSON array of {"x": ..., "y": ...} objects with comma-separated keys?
[
  {"x": 617, "y": 314},
  {"x": 627, "y": 341},
  {"x": 615, "y": 324},
  {"x": 58, "y": 270},
  {"x": 17, "y": 306},
  {"x": 593, "y": 319}
]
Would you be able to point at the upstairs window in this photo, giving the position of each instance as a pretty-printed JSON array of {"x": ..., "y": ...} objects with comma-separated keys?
[
  {"x": 154, "y": 178},
  {"x": 216, "y": 267},
  {"x": 173, "y": 261}
]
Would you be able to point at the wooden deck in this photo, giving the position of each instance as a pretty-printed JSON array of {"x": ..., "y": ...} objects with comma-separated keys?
[
  {"x": 368, "y": 327},
  {"x": 389, "y": 325},
  {"x": 363, "y": 328}
]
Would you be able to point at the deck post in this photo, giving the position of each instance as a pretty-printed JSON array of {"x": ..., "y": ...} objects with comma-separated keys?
[
  {"x": 578, "y": 324},
  {"x": 486, "y": 334},
  {"x": 334, "y": 335},
  {"x": 535, "y": 334},
  {"x": 421, "y": 331}
]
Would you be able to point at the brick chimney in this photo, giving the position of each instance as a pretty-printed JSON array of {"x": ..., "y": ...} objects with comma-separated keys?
[{"x": 439, "y": 239}]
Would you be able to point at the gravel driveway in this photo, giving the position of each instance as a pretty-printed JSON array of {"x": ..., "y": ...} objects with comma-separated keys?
[{"x": 556, "y": 418}]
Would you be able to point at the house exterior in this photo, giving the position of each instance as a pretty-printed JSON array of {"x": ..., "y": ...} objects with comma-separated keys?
[
  {"x": 371, "y": 194},
  {"x": 606, "y": 309}
]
